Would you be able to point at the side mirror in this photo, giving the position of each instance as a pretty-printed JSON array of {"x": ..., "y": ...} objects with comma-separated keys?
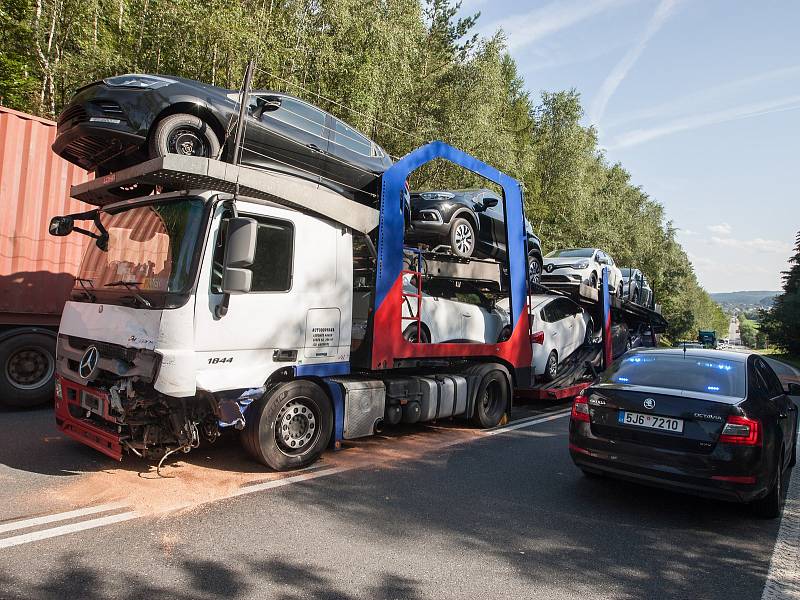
[
  {"x": 61, "y": 226},
  {"x": 489, "y": 202},
  {"x": 240, "y": 252},
  {"x": 793, "y": 389}
]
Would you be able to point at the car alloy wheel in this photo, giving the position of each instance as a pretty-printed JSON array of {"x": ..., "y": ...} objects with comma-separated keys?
[
  {"x": 534, "y": 270},
  {"x": 463, "y": 238}
]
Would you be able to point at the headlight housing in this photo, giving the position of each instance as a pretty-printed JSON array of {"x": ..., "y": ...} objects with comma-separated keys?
[
  {"x": 580, "y": 264},
  {"x": 152, "y": 82}
]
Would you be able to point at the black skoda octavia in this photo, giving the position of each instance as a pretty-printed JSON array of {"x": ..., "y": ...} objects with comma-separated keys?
[
  {"x": 717, "y": 424},
  {"x": 120, "y": 121}
]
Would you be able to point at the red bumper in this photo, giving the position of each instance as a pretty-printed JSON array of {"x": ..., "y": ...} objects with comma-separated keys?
[{"x": 102, "y": 438}]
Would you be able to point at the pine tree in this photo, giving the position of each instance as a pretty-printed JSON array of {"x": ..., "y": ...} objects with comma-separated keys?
[{"x": 782, "y": 322}]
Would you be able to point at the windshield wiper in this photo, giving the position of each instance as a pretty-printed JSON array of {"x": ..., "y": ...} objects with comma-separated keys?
[
  {"x": 133, "y": 286},
  {"x": 86, "y": 291}
]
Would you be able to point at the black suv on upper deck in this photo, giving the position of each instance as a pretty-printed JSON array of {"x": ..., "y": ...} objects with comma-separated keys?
[
  {"x": 120, "y": 121},
  {"x": 468, "y": 222}
]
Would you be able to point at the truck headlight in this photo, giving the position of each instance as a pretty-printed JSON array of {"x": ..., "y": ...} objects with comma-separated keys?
[{"x": 152, "y": 82}]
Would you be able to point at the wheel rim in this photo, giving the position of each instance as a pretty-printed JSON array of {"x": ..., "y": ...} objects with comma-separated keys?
[
  {"x": 552, "y": 366},
  {"x": 534, "y": 271},
  {"x": 463, "y": 238},
  {"x": 186, "y": 141},
  {"x": 297, "y": 426},
  {"x": 29, "y": 368},
  {"x": 491, "y": 398}
]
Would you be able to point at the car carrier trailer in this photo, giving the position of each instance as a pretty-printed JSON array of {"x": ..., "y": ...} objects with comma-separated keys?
[
  {"x": 168, "y": 342},
  {"x": 215, "y": 329}
]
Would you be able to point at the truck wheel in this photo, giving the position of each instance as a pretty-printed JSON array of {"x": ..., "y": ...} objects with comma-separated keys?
[
  {"x": 462, "y": 238},
  {"x": 491, "y": 401},
  {"x": 27, "y": 365},
  {"x": 184, "y": 134},
  {"x": 289, "y": 426}
]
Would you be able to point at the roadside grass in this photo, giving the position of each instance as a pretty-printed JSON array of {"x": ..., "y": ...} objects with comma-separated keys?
[{"x": 791, "y": 359}]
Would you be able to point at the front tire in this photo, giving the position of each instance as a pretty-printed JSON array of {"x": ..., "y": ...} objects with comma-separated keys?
[
  {"x": 593, "y": 281},
  {"x": 27, "y": 365},
  {"x": 462, "y": 238},
  {"x": 289, "y": 426},
  {"x": 410, "y": 335},
  {"x": 491, "y": 401},
  {"x": 184, "y": 134}
]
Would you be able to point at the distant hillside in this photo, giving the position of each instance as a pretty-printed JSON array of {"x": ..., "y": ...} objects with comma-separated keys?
[{"x": 745, "y": 300}]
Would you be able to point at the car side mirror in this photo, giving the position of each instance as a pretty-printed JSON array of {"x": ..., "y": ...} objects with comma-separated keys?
[
  {"x": 793, "y": 389},
  {"x": 489, "y": 202},
  {"x": 61, "y": 226},
  {"x": 240, "y": 252}
]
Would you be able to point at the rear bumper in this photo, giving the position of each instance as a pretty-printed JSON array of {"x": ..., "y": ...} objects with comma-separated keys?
[
  {"x": 98, "y": 432},
  {"x": 709, "y": 475}
]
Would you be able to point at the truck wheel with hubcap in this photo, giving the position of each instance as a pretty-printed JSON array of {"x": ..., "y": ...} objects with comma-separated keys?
[
  {"x": 27, "y": 365},
  {"x": 491, "y": 401},
  {"x": 289, "y": 426}
]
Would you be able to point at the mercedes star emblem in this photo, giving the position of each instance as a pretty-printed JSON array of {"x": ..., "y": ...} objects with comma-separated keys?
[
  {"x": 649, "y": 403},
  {"x": 87, "y": 368}
]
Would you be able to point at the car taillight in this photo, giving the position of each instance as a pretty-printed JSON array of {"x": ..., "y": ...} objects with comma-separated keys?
[
  {"x": 537, "y": 338},
  {"x": 580, "y": 409},
  {"x": 741, "y": 430}
]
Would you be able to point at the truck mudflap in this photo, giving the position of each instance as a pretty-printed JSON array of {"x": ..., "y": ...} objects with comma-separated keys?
[{"x": 75, "y": 399}]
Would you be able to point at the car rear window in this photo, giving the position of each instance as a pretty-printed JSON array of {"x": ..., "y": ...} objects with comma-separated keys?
[
  {"x": 680, "y": 372},
  {"x": 572, "y": 253}
]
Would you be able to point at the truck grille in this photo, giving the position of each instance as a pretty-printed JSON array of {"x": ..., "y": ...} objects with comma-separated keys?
[{"x": 105, "y": 349}]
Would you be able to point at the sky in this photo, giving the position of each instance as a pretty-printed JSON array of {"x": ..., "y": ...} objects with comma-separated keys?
[{"x": 698, "y": 99}]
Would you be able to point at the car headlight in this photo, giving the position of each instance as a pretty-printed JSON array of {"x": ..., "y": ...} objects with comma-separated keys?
[
  {"x": 580, "y": 265},
  {"x": 152, "y": 82}
]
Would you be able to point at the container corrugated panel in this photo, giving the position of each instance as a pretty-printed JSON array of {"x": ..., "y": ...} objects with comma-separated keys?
[{"x": 36, "y": 270}]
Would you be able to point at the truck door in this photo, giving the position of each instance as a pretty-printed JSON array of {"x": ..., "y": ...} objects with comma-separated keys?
[{"x": 297, "y": 312}]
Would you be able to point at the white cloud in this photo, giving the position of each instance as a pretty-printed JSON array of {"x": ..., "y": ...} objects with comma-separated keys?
[
  {"x": 526, "y": 28},
  {"x": 690, "y": 102},
  {"x": 757, "y": 244},
  {"x": 721, "y": 229},
  {"x": 640, "y": 136},
  {"x": 621, "y": 69}
]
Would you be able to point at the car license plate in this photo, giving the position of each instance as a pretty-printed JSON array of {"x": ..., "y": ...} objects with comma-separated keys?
[
  {"x": 92, "y": 403},
  {"x": 651, "y": 421}
]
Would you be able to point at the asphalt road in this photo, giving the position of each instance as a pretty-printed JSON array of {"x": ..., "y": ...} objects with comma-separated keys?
[{"x": 431, "y": 512}]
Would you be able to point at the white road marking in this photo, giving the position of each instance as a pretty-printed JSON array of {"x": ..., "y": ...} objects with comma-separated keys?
[
  {"x": 64, "y": 516},
  {"x": 783, "y": 579},
  {"x": 52, "y": 532},
  {"x": 65, "y": 529},
  {"x": 268, "y": 485},
  {"x": 528, "y": 422}
]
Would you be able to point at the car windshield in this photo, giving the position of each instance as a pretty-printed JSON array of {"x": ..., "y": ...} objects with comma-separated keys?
[
  {"x": 680, "y": 371},
  {"x": 626, "y": 272},
  {"x": 151, "y": 248},
  {"x": 572, "y": 253}
]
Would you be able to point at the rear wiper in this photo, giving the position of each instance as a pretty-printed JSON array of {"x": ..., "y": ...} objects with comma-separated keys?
[
  {"x": 133, "y": 286},
  {"x": 86, "y": 291}
]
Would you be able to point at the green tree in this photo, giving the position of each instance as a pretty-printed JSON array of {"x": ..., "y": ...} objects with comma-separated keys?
[{"x": 781, "y": 323}]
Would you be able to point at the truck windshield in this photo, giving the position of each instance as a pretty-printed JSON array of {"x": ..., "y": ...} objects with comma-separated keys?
[{"x": 151, "y": 251}]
